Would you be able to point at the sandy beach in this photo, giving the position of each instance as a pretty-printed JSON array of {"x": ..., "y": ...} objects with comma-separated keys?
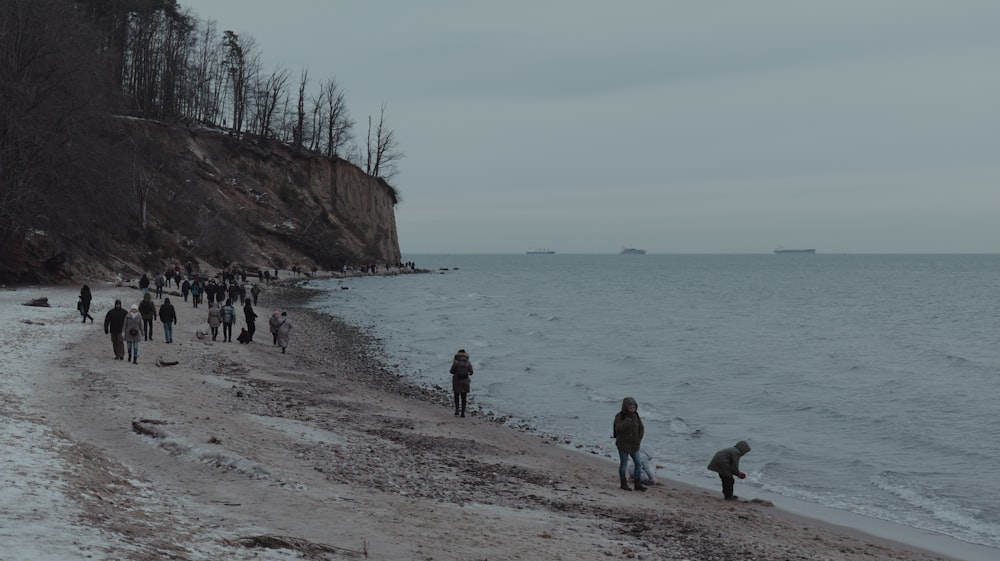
[{"x": 242, "y": 452}]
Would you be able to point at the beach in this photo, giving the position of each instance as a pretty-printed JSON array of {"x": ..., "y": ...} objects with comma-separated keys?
[{"x": 242, "y": 452}]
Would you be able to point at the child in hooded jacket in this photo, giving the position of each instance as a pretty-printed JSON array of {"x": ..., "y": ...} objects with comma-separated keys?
[{"x": 726, "y": 463}]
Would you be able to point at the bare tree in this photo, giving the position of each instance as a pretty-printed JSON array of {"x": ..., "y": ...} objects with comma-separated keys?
[
  {"x": 383, "y": 151},
  {"x": 298, "y": 131},
  {"x": 338, "y": 122},
  {"x": 241, "y": 64},
  {"x": 266, "y": 99}
]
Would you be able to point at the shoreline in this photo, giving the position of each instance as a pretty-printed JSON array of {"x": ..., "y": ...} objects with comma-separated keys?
[{"x": 329, "y": 445}]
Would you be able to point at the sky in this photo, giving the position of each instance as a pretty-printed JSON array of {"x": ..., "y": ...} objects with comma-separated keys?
[{"x": 581, "y": 126}]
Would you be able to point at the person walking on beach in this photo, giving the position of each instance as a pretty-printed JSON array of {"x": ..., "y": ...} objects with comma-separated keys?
[
  {"x": 147, "y": 309},
  {"x": 159, "y": 281},
  {"x": 726, "y": 463},
  {"x": 185, "y": 288},
  {"x": 144, "y": 284},
  {"x": 114, "y": 323},
  {"x": 461, "y": 380},
  {"x": 85, "y": 298},
  {"x": 169, "y": 318},
  {"x": 228, "y": 314},
  {"x": 195, "y": 292},
  {"x": 284, "y": 331},
  {"x": 272, "y": 325},
  {"x": 133, "y": 333},
  {"x": 214, "y": 319},
  {"x": 255, "y": 292},
  {"x": 251, "y": 317},
  {"x": 628, "y": 433}
]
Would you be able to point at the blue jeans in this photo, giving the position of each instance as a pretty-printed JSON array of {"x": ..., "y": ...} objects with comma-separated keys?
[
  {"x": 623, "y": 457},
  {"x": 133, "y": 349},
  {"x": 168, "y": 332}
]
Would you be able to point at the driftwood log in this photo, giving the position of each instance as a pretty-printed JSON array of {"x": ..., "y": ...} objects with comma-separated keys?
[
  {"x": 161, "y": 362},
  {"x": 149, "y": 427},
  {"x": 42, "y": 302},
  {"x": 297, "y": 544}
]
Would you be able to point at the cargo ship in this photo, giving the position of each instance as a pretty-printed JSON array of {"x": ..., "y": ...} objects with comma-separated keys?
[
  {"x": 540, "y": 252},
  {"x": 779, "y": 250},
  {"x": 632, "y": 251}
]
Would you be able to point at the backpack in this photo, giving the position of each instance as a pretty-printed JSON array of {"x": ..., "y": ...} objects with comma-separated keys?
[{"x": 461, "y": 370}]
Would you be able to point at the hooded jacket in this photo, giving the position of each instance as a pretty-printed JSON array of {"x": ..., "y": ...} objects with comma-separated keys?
[
  {"x": 628, "y": 429},
  {"x": 147, "y": 309},
  {"x": 726, "y": 462},
  {"x": 461, "y": 370}
]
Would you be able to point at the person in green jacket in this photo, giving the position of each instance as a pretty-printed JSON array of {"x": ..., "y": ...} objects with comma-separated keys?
[
  {"x": 628, "y": 432},
  {"x": 726, "y": 463}
]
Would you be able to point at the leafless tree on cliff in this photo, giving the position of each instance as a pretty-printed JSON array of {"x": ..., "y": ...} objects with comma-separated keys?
[
  {"x": 382, "y": 150},
  {"x": 241, "y": 64},
  {"x": 338, "y": 122},
  {"x": 298, "y": 130},
  {"x": 266, "y": 101}
]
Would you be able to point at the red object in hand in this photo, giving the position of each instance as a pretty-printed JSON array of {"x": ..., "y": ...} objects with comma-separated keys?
[{"x": 743, "y": 475}]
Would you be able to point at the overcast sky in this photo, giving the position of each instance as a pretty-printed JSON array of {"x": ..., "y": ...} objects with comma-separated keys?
[{"x": 673, "y": 126}]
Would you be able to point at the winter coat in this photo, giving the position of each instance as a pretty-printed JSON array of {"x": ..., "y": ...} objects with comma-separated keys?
[
  {"x": 628, "y": 430},
  {"x": 214, "y": 316},
  {"x": 114, "y": 321},
  {"x": 185, "y": 287},
  {"x": 726, "y": 462},
  {"x": 461, "y": 373},
  {"x": 249, "y": 314},
  {"x": 284, "y": 331},
  {"x": 144, "y": 281},
  {"x": 85, "y": 296},
  {"x": 167, "y": 312},
  {"x": 133, "y": 328},
  {"x": 147, "y": 309},
  {"x": 228, "y": 314},
  {"x": 273, "y": 323},
  {"x": 161, "y": 280}
]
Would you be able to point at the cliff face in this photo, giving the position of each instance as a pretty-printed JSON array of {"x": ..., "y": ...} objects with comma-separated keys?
[{"x": 211, "y": 199}]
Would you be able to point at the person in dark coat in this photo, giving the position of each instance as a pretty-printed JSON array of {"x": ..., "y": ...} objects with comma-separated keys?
[
  {"x": 185, "y": 288},
  {"x": 251, "y": 317},
  {"x": 628, "y": 433},
  {"x": 726, "y": 463},
  {"x": 147, "y": 309},
  {"x": 273, "y": 324},
  {"x": 255, "y": 292},
  {"x": 144, "y": 283},
  {"x": 114, "y": 323},
  {"x": 169, "y": 318},
  {"x": 85, "y": 298},
  {"x": 461, "y": 380}
]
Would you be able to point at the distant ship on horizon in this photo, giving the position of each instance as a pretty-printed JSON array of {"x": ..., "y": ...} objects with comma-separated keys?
[
  {"x": 540, "y": 251},
  {"x": 632, "y": 251},
  {"x": 780, "y": 250}
]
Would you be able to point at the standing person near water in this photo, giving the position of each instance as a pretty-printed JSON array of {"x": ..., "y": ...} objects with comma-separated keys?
[
  {"x": 628, "y": 433},
  {"x": 214, "y": 319},
  {"x": 461, "y": 380}
]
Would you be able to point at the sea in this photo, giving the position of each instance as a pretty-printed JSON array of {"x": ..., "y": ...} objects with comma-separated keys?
[{"x": 865, "y": 384}]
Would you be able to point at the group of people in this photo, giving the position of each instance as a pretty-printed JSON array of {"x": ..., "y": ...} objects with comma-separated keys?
[
  {"x": 128, "y": 327},
  {"x": 628, "y": 431}
]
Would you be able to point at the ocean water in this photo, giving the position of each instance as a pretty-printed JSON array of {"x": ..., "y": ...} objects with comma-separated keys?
[{"x": 864, "y": 383}]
